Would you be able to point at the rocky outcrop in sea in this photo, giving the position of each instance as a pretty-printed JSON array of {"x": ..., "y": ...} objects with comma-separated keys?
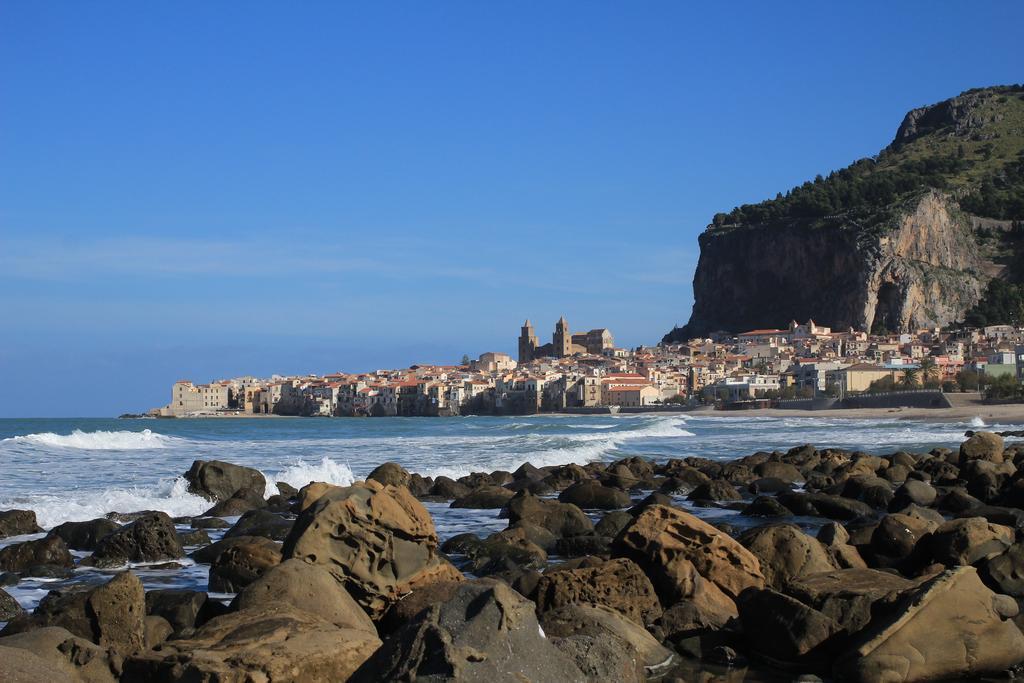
[{"x": 838, "y": 566}]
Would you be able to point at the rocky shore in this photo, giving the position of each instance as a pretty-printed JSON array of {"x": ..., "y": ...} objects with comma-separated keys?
[{"x": 832, "y": 565}]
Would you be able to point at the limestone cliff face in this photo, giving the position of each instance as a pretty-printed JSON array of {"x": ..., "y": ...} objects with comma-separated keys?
[{"x": 917, "y": 267}]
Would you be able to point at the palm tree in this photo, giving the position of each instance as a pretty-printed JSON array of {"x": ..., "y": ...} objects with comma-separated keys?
[
  {"x": 929, "y": 370},
  {"x": 910, "y": 377}
]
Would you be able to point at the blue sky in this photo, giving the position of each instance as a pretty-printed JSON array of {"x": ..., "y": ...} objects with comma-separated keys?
[{"x": 210, "y": 189}]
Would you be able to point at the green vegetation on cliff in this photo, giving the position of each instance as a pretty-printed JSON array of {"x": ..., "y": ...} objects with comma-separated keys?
[{"x": 972, "y": 145}]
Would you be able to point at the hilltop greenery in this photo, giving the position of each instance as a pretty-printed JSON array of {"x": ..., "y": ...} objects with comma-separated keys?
[
  {"x": 980, "y": 158},
  {"x": 1001, "y": 304}
]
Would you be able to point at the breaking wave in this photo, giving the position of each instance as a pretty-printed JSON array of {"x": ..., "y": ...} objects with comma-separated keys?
[
  {"x": 976, "y": 421},
  {"x": 170, "y": 496},
  {"x": 96, "y": 441},
  {"x": 300, "y": 473}
]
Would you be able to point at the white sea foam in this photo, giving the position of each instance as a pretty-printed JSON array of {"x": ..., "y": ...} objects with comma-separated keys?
[
  {"x": 976, "y": 421},
  {"x": 569, "y": 448},
  {"x": 96, "y": 441},
  {"x": 300, "y": 473},
  {"x": 170, "y": 496}
]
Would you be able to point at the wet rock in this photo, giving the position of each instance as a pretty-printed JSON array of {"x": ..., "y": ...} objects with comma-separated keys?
[
  {"x": 825, "y": 505},
  {"x": 194, "y": 537},
  {"x": 307, "y": 587},
  {"x": 243, "y": 563},
  {"x": 484, "y": 498},
  {"x": 182, "y": 609},
  {"x": 26, "y": 556},
  {"x": 612, "y": 523},
  {"x": 18, "y": 523},
  {"x": 579, "y": 546},
  {"x": 261, "y": 523},
  {"x": 71, "y": 657},
  {"x": 914, "y": 492},
  {"x": 9, "y": 607},
  {"x": 258, "y": 644},
  {"x": 668, "y": 543},
  {"x": 766, "y": 506},
  {"x": 599, "y": 620},
  {"x": 716, "y": 490},
  {"x": 561, "y": 519},
  {"x": 1006, "y": 516},
  {"x": 783, "y": 628},
  {"x": 525, "y": 531},
  {"x": 207, "y": 554},
  {"x": 216, "y": 480},
  {"x": 210, "y": 523},
  {"x": 84, "y": 535},
  {"x": 109, "y": 615},
  {"x": 768, "y": 485},
  {"x": 619, "y": 584},
  {"x": 656, "y": 498},
  {"x": 896, "y": 537},
  {"x": 447, "y": 488},
  {"x": 848, "y": 595},
  {"x": 968, "y": 540},
  {"x": 402, "y": 612},
  {"x": 602, "y": 658},
  {"x": 498, "y": 553},
  {"x": 590, "y": 494},
  {"x": 683, "y": 479},
  {"x": 378, "y": 541},
  {"x": 871, "y": 489},
  {"x": 784, "y": 552},
  {"x": 982, "y": 446},
  {"x": 148, "y": 539},
  {"x": 484, "y": 631},
  {"x": 779, "y": 470},
  {"x": 241, "y": 502},
  {"x": 390, "y": 474},
  {"x": 915, "y": 643},
  {"x": 1005, "y": 573},
  {"x": 420, "y": 486}
]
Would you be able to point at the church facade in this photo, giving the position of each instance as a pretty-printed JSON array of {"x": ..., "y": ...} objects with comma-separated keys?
[{"x": 563, "y": 342}]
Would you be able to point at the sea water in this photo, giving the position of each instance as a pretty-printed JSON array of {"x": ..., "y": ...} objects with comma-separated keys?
[{"x": 79, "y": 469}]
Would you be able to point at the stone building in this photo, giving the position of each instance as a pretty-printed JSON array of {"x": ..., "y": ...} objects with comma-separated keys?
[{"x": 564, "y": 343}]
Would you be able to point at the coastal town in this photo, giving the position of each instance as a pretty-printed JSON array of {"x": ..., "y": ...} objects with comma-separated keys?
[{"x": 801, "y": 366}]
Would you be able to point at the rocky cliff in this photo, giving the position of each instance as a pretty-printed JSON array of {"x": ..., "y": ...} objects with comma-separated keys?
[{"x": 890, "y": 242}]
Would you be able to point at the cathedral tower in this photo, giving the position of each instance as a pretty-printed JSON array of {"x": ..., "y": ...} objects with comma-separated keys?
[
  {"x": 562, "y": 339},
  {"x": 527, "y": 343}
]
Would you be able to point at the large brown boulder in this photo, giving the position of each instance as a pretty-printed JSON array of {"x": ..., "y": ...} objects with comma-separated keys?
[
  {"x": 23, "y": 557},
  {"x": 666, "y": 542},
  {"x": 22, "y": 666},
  {"x": 785, "y": 552},
  {"x": 561, "y": 519},
  {"x": 18, "y": 522},
  {"x": 84, "y": 535},
  {"x": 619, "y": 584},
  {"x": 216, "y": 480},
  {"x": 982, "y": 446},
  {"x": 276, "y": 644},
  {"x": 76, "y": 658},
  {"x": 591, "y": 494},
  {"x": 484, "y": 498},
  {"x": 952, "y": 627},
  {"x": 848, "y": 595},
  {"x": 483, "y": 632},
  {"x": 243, "y": 563},
  {"x": 783, "y": 628},
  {"x": 378, "y": 541},
  {"x": 109, "y": 615},
  {"x": 307, "y": 587},
  {"x": 390, "y": 474},
  {"x": 150, "y": 538},
  {"x": 599, "y": 620},
  {"x": 968, "y": 540}
]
